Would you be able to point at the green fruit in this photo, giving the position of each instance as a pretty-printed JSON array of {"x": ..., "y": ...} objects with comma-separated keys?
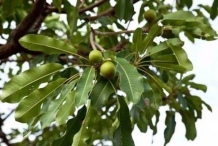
[
  {"x": 150, "y": 15},
  {"x": 95, "y": 56},
  {"x": 108, "y": 70}
]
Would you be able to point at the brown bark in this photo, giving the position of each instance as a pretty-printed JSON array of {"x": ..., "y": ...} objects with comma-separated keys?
[{"x": 13, "y": 46}]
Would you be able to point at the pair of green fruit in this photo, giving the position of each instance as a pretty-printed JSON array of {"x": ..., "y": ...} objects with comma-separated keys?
[{"x": 107, "y": 68}]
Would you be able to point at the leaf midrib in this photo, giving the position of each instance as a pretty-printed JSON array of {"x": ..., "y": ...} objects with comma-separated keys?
[
  {"x": 34, "y": 105},
  {"x": 32, "y": 82},
  {"x": 49, "y": 47},
  {"x": 85, "y": 84},
  {"x": 172, "y": 48},
  {"x": 101, "y": 93},
  {"x": 127, "y": 79}
]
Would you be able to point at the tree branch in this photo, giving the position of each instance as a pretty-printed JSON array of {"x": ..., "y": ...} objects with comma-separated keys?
[
  {"x": 109, "y": 11},
  {"x": 13, "y": 46},
  {"x": 119, "y": 46},
  {"x": 34, "y": 20},
  {"x": 28, "y": 21},
  {"x": 90, "y": 7}
]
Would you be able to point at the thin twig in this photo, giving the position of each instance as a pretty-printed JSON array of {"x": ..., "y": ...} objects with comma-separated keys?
[
  {"x": 13, "y": 46},
  {"x": 3, "y": 136},
  {"x": 92, "y": 41},
  {"x": 90, "y": 7},
  {"x": 8, "y": 115},
  {"x": 104, "y": 13},
  {"x": 119, "y": 46}
]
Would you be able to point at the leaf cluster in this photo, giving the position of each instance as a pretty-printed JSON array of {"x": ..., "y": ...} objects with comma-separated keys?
[{"x": 63, "y": 93}]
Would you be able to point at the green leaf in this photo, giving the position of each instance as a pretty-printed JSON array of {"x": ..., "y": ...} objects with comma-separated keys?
[
  {"x": 100, "y": 93},
  {"x": 189, "y": 36},
  {"x": 170, "y": 126},
  {"x": 82, "y": 136},
  {"x": 9, "y": 7},
  {"x": 57, "y": 4},
  {"x": 181, "y": 57},
  {"x": 188, "y": 78},
  {"x": 189, "y": 121},
  {"x": 124, "y": 9},
  {"x": 122, "y": 135},
  {"x": 54, "y": 106},
  {"x": 68, "y": 93},
  {"x": 214, "y": 10},
  {"x": 30, "y": 106},
  {"x": 139, "y": 117},
  {"x": 195, "y": 103},
  {"x": 207, "y": 29},
  {"x": 158, "y": 81},
  {"x": 177, "y": 18},
  {"x": 163, "y": 46},
  {"x": 46, "y": 44},
  {"x": 72, "y": 15},
  {"x": 154, "y": 31},
  {"x": 155, "y": 97},
  {"x": 73, "y": 126},
  {"x": 157, "y": 114},
  {"x": 182, "y": 100},
  {"x": 32, "y": 125},
  {"x": 66, "y": 109},
  {"x": 84, "y": 86},
  {"x": 165, "y": 58},
  {"x": 168, "y": 66},
  {"x": 24, "y": 83},
  {"x": 207, "y": 105},
  {"x": 130, "y": 80},
  {"x": 137, "y": 45},
  {"x": 189, "y": 3},
  {"x": 198, "y": 86},
  {"x": 105, "y": 20},
  {"x": 135, "y": 113}
]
